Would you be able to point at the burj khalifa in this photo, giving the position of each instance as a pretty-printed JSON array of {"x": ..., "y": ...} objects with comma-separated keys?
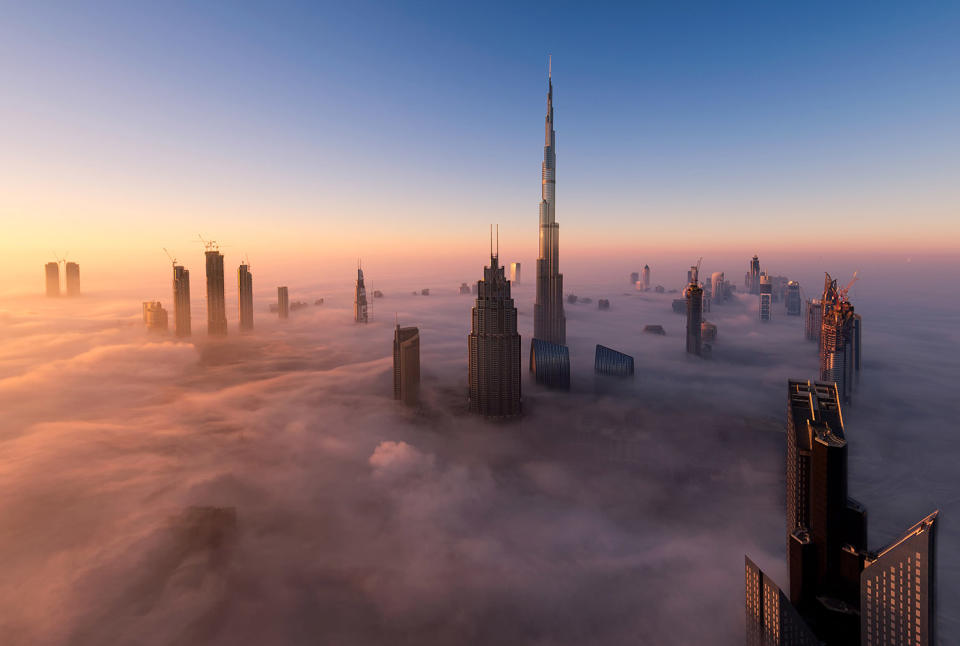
[{"x": 549, "y": 322}]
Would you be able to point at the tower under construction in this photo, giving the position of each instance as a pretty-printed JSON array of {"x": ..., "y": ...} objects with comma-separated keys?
[
  {"x": 245, "y": 297},
  {"x": 216, "y": 303}
]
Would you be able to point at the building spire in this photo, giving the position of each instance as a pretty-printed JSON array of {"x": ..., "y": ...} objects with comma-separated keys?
[{"x": 550, "y": 67}]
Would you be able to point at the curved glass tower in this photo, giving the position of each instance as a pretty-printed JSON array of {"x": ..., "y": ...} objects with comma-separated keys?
[{"x": 549, "y": 322}]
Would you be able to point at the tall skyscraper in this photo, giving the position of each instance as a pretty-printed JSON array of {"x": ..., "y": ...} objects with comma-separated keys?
[
  {"x": 406, "y": 364},
  {"x": 283, "y": 302},
  {"x": 216, "y": 303},
  {"x": 645, "y": 277},
  {"x": 752, "y": 278},
  {"x": 694, "y": 313},
  {"x": 887, "y": 615},
  {"x": 181, "y": 300},
  {"x": 494, "y": 347},
  {"x": 245, "y": 297},
  {"x": 72, "y": 271},
  {"x": 360, "y": 299},
  {"x": 839, "y": 340},
  {"x": 842, "y": 592},
  {"x": 766, "y": 298},
  {"x": 813, "y": 321},
  {"x": 549, "y": 321},
  {"x": 154, "y": 316},
  {"x": 717, "y": 287},
  {"x": 793, "y": 302},
  {"x": 52, "y": 274},
  {"x": 515, "y": 273}
]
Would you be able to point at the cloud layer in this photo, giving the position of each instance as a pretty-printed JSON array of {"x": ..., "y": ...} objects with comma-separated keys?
[{"x": 267, "y": 489}]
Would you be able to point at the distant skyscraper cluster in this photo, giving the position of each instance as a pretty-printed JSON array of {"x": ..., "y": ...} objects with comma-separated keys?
[
  {"x": 406, "y": 365},
  {"x": 839, "y": 340},
  {"x": 494, "y": 347},
  {"x": 840, "y": 592},
  {"x": 549, "y": 321}
]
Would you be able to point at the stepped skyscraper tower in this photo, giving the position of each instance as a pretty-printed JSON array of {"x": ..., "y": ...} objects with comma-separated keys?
[{"x": 549, "y": 322}]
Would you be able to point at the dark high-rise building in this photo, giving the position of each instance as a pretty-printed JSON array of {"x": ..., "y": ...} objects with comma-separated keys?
[
  {"x": 181, "y": 300},
  {"x": 494, "y": 347},
  {"x": 694, "y": 314},
  {"x": 897, "y": 590},
  {"x": 752, "y": 278},
  {"x": 245, "y": 297},
  {"x": 645, "y": 277},
  {"x": 549, "y": 320},
  {"x": 771, "y": 618},
  {"x": 52, "y": 274},
  {"x": 635, "y": 278},
  {"x": 813, "y": 320},
  {"x": 792, "y": 298},
  {"x": 360, "y": 299},
  {"x": 283, "y": 302},
  {"x": 406, "y": 364},
  {"x": 550, "y": 364},
  {"x": 216, "y": 303},
  {"x": 843, "y": 593},
  {"x": 72, "y": 275},
  {"x": 608, "y": 361},
  {"x": 766, "y": 297},
  {"x": 839, "y": 340}
]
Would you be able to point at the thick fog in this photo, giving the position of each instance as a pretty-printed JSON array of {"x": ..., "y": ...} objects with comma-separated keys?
[{"x": 267, "y": 488}]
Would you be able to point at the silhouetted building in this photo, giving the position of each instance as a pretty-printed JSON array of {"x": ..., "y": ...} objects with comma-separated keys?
[
  {"x": 608, "y": 361},
  {"x": 245, "y": 297},
  {"x": 843, "y": 593},
  {"x": 659, "y": 289},
  {"x": 635, "y": 278},
  {"x": 839, "y": 340},
  {"x": 360, "y": 299},
  {"x": 425, "y": 291},
  {"x": 603, "y": 304},
  {"x": 897, "y": 589},
  {"x": 572, "y": 299},
  {"x": 515, "y": 273},
  {"x": 406, "y": 364},
  {"x": 52, "y": 274},
  {"x": 549, "y": 321},
  {"x": 181, "y": 300},
  {"x": 708, "y": 332},
  {"x": 550, "y": 364},
  {"x": 72, "y": 271},
  {"x": 654, "y": 329},
  {"x": 679, "y": 305},
  {"x": 813, "y": 320},
  {"x": 494, "y": 347},
  {"x": 771, "y": 618},
  {"x": 283, "y": 302},
  {"x": 216, "y": 303},
  {"x": 752, "y": 278},
  {"x": 464, "y": 289},
  {"x": 154, "y": 316},
  {"x": 645, "y": 277},
  {"x": 792, "y": 299},
  {"x": 377, "y": 293},
  {"x": 694, "y": 314},
  {"x": 766, "y": 298},
  {"x": 716, "y": 287}
]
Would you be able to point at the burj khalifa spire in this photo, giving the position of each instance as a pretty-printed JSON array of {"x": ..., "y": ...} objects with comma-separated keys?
[{"x": 549, "y": 322}]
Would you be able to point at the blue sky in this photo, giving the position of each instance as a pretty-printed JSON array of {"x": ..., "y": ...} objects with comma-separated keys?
[{"x": 710, "y": 120}]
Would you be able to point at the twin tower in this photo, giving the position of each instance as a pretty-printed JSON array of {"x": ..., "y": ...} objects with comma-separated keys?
[{"x": 493, "y": 343}]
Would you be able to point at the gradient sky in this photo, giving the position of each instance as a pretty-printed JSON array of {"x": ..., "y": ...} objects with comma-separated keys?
[{"x": 305, "y": 133}]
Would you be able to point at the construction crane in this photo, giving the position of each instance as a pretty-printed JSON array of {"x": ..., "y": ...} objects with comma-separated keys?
[
  {"x": 843, "y": 292},
  {"x": 208, "y": 245},
  {"x": 173, "y": 261}
]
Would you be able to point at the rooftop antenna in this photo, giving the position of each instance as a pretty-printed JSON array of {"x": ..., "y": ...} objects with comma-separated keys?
[
  {"x": 498, "y": 241},
  {"x": 550, "y": 67},
  {"x": 491, "y": 241}
]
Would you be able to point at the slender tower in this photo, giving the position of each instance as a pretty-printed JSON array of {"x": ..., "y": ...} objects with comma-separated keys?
[
  {"x": 181, "y": 299},
  {"x": 360, "y": 299},
  {"x": 245, "y": 297},
  {"x": 549, "y": 322},
  {"x": 216, "y": 307}
]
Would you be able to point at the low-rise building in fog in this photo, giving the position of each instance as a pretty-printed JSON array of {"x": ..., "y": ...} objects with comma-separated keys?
[
  {"x": 603, "y": 304},
  {"x": 550, "y": 364},
  {"x": 610, "y": 362},
  {"x": 654, "y": 329}
]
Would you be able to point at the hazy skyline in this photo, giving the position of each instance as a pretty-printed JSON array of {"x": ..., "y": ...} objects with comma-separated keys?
[{"x": 307, "y": 133}]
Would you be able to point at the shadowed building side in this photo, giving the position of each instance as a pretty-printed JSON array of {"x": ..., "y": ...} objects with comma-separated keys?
[
  {"x": 770, "y": 617},
  {"x": 406, "y": 365},
  {"x": 550, "y": 364}
]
